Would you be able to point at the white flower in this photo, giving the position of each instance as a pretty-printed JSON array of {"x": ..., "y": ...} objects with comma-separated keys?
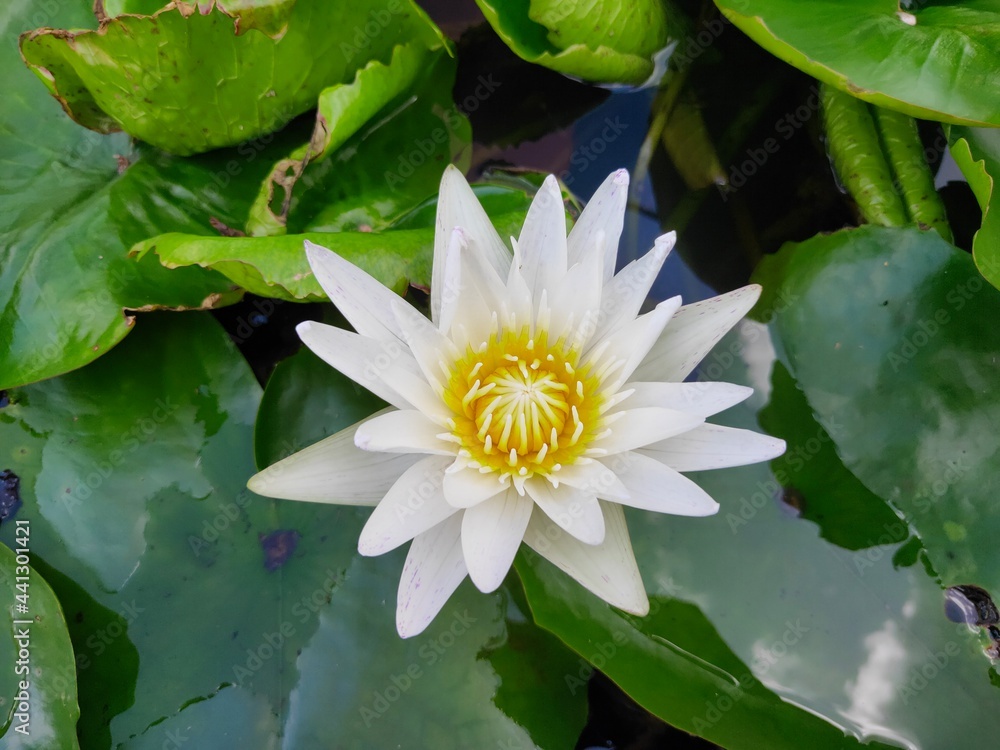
[{"x": 531, "y": 407}]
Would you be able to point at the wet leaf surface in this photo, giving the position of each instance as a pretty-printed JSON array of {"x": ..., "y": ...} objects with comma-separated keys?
[{"x": 931, "y": 60}]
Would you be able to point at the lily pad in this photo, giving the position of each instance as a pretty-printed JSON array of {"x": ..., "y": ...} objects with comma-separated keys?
[
  {"x": 902, "y": 375},
  {"x": 595, "y": 41},
  {"x": 277, "y": 267},
  {"x": 343, "y": 110},
  {"x": 936, "y": 60},
  {"x": 813, "y": 482},
  {"x": 38, "y": 687},
  {"x": 977, "y": 153},
  {"x": 75, "y": 201},
  {"x": 388, "y": 166},
  {"x": 190, "y": 78}
]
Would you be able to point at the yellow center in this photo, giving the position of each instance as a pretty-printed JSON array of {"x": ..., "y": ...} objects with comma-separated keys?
[{"x": 522, "y": 406}]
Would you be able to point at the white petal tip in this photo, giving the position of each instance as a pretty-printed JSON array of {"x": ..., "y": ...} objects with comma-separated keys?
[
  {"x": 312, "y": 247},
  {"x": 591, "y": 538},
  {"x": 303, "y": 328},
  {"x": 665, "y": 243},
  {"x": 778, "y": 448},
  {"x": 367, "y": 548},
  {"x": 257, "y": 484},
  {"x": 620, "y": 177},
  {"x": 487, "y": 583},
  {"x": 410, "y": 629},
  {"x": 640, "y": 608},
  {"x": 705, "y": 510}
]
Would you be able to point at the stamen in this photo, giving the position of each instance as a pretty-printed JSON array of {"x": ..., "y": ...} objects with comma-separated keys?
[
  {"x": 508, "y": 424},
  {"x": 482, "y": 434},
  {"x": 470, "y": 395}
]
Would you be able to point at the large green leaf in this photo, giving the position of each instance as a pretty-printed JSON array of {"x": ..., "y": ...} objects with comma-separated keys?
[
  {"x": 902, "y": 373},
  {"x": 595, "y": 41},
  {"x": 198, "y": 610},
  {"x": 277, "y": 266},
  {"x": 343, "y": 110},
  {"x": 189, "y": 79},
  {"x": 38, "y": 708},
  {"x": 977, "y": 153},
  {"x": 764, "y": 631},
  {"x": 74, "y": 202},
  {"x": 391, "y": 164},
  {"x": 936, "y": 60}
]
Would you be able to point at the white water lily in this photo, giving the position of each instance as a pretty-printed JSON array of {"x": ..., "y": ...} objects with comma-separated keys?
[{"x": 533, "y": 405}]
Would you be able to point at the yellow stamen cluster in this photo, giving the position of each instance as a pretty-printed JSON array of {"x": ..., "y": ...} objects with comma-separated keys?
[{"x": 522, "y": 406}]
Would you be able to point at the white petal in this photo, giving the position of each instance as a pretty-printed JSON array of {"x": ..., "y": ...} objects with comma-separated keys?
[
  {"x": 692, "y": 333},
  {"x": 406, "y": 431},
  {"x": 542, "y": 241},
  {"x": 607, "y": 569},
  {"x": 623, "y": 296},
  {"x": 429, "y": 346},
  {"x": 654, "y": 486},
  {"x": 712, "y": 446},
  {"x": 576, "y": 300},
  {"x": 361, "y": 359},
  {"x": 517, "y": 307},
  {"x": 636, "y": 428},
  {"x": 702, "y": 399},
  {"x": 334, "y": 470},
  {"x": 605, "y": 212},
  {"x": 459, "y": 207},
  {"x": 593, "y": 477},
  {"x": 491, "y": 535},
  {"x": 576, "y": 511},
  {"x": 417, "y": 392},
  {"x": 433, "y": 570},
  {"x": 451, "y": 279},
  {"x": 630, "y": 343},
  {"x": 466, "y": 487},
  {"x": 363, "y": 300},
  {"x": 412, "y": 505}
]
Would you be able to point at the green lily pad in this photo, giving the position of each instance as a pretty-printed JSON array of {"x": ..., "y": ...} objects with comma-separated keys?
[
  {"x": 38, "y": 687},
  {"x": 812, "y": 478},
  {"x": 595, "y": 41},
  {"x": 901, "y": 373},
  {"x": 188, "y": 80},
  {"x": 936, "y": 60},
  {"x": 388, "y": 166},
  {"x": 977, "y": 153},
  {"x": 277, "y": 266},
  {"x": 75, "y": 201},
  {"x": 761, "y": 632},
  {"x": 343, "y": 110}
]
